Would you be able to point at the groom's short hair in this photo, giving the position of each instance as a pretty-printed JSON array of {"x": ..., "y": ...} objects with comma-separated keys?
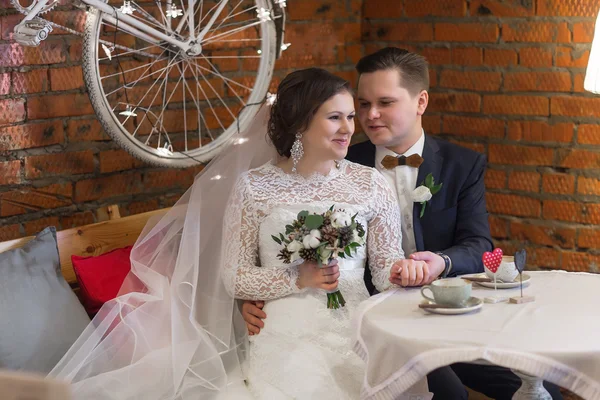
[{"x": 412, "y": 67}]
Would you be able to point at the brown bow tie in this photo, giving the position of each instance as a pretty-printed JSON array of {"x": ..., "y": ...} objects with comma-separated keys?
[{"x": 390, "y": 162}]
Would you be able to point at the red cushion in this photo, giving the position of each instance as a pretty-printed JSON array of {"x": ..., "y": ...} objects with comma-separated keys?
[{"x": 101, "y": 277}]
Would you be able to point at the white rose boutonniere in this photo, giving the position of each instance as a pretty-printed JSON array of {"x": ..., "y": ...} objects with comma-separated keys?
[{"x": 422, "y": 194}]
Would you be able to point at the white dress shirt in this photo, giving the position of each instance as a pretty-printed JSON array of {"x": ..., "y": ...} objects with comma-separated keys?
[{"x": 403, "y": 179}]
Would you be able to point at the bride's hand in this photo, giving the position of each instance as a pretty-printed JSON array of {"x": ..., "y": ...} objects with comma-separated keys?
[
  {"x": 410, "y": 272},
  {"x": 313, "y": 276}
]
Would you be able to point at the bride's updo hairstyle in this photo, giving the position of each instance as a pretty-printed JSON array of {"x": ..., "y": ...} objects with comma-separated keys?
[{"x": 299, "y": 96}]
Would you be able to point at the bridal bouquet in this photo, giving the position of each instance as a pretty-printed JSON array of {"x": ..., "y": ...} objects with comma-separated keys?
[{"x": 321, "y": 238}]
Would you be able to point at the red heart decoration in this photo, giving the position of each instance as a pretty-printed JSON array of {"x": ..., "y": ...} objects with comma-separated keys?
[{"x": 492, "y": 260}]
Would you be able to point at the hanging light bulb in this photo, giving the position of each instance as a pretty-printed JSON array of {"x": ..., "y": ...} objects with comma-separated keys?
[
  {"x": 126, "y": 8},
  {"x": 285, "y": 46},
  {"x": 281, "y": 3},
  {"x": 108, "y": 51},
  {"x": 174, "y": 12}
]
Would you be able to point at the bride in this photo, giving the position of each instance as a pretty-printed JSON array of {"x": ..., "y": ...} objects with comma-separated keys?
[
  {"x": 175, "y": 331},
  {"x": 304, "y": 352}
]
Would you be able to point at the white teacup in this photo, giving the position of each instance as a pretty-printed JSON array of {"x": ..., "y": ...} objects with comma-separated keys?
[
  {"x": 507, "y": 271},
  {"x": 451, "y": 291}
]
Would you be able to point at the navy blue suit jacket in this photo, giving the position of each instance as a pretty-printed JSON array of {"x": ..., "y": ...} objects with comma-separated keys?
[{"x": 456, "y": 219}]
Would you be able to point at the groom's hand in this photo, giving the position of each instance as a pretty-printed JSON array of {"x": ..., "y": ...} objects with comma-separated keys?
[
  {"x": 435, "y": 261},
  {"x": 409, "y": 273},
  {"x": 253, "y": 315}
]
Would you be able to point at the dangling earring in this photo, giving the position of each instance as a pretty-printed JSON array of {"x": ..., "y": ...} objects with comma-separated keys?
[
  {"x": 337, "y": 163},
  {"x": 297, "y": 151}
]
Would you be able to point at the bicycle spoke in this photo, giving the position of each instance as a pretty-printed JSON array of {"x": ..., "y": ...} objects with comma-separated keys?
[
  {"x": 227, "y": 83},
  {"x": 167, "y": 102},
  {"x": 224, "y": 77},
  {"x": 200, "y": 115},
  {"x": 231, "y": 16},
  {"x": 211, "y": 107},
  {"x": 131, "y": 51},
  {"x": 205, "y": 16},
  {"x": 154, "y": 98},
  {"x": 131, "y": 85},
  {"x": 148, "y": 15},
  {"x": 212, "y": 39},
  {"x": 162, "y": 98}
]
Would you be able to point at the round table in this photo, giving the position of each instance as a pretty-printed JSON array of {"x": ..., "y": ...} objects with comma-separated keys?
[{"x": 556, "y": 337}]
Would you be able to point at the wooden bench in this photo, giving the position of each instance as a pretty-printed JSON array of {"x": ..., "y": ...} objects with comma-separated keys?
[{"x": 92, "y": 240}]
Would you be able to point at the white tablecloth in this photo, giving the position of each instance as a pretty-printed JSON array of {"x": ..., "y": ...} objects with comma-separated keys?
[{"x": 556, "y": 337}]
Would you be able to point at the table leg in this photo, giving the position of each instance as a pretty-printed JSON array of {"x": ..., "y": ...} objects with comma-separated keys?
[{"x": 531, "y": 389}]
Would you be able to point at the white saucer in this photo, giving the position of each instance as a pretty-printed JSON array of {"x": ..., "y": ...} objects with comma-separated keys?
[
  {"x": 500, "y": 285},
  {"x": 474, "y": 303}
]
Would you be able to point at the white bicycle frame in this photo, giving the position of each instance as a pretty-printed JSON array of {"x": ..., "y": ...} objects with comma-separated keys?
[{"x": 141, "y": 30}]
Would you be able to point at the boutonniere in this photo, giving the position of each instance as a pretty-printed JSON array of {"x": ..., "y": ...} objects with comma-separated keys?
[{"x": 422, "y": 194}]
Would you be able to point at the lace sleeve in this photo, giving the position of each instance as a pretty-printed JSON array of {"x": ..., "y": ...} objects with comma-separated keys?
[
  {"x": 384, "y": 239},
  {"x": 243, "y": 276}
]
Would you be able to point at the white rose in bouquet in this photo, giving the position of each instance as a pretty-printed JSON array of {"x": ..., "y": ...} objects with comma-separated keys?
[
  {"x": 339, "y": 219},
  {"x": 294, "y": 247},
  {"x": 312, "y": 240},
  {"x": 325, "y": 254},
  {"x": 421, "y": 194}
]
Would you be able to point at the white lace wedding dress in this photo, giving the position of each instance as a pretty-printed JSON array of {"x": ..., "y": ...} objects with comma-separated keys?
[{"x": 304, "y": 350}]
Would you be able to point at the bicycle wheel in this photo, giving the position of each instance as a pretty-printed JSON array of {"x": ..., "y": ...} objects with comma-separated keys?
[{"x": 168, "y": 107}]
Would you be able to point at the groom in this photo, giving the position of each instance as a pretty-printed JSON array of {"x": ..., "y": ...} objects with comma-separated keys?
[{"x": 452, "y": 232}]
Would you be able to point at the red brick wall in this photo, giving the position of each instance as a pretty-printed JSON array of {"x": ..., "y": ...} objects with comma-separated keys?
[
  {"x": 56, "y": 164},
  {"x": 507, "y": 80}
]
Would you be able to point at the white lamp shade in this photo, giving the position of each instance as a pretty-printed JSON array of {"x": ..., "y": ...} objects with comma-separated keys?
[{"x": 592, "y": 74}]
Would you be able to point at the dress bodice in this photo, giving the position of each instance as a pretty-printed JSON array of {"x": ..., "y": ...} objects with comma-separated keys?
[{"x": 265, "y": 199}]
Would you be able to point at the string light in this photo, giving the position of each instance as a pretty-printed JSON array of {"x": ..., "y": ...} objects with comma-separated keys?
[
  {"x": 108, "y": 51},
  {"x": 174, "y": 12},
  {"x": 263, "y": 14},
  {"x": 126, "y": 8},
  {"x": 128, "y": 112}
]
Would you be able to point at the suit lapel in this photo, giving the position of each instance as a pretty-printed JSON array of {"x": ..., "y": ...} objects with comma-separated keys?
[
  {"x": 369, "y": 159},
  {"x": 432, "y": 164}
]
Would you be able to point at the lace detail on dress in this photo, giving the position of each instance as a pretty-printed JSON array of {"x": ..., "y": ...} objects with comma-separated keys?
[{"x": 262, "y": 190}]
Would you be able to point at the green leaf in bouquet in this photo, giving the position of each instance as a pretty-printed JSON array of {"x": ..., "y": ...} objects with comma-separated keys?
[
  {"x": 313, "y": 221},
  {"x": 289, "y": 229},
  {"x": 429, "y": 180},
  {"x": 302, "y": 214},
  {"x": 331, "y": 208},
  {"x": 353, "y": 225},
  {"x": 276, "y": 239},
  {"x": 354, "y": 245},
  {"x": 436, "y": 188},
  {"x": 353, "y": 217},
  {"x": 348, "y": 252},
  {"x": 341, "y": 254}
]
